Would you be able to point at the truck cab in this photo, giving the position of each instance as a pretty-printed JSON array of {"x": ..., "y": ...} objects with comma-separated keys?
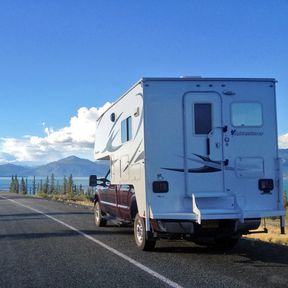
[{"x": 115, "y": 202}]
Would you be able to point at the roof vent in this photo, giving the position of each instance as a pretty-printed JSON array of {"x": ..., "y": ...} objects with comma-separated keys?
[
  {"x": 228, "y": 92},
  {"x": 191, "y": 77}
]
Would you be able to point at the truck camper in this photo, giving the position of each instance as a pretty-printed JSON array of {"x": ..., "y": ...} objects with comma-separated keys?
[{"x": 190, "y": 158}]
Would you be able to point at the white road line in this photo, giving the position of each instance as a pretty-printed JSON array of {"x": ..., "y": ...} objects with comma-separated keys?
[{"x": 112, "y": 250}]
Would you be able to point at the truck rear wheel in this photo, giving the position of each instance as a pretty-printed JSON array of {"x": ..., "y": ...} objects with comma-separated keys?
[
  {"x": 141, "y": 236},
  {"x": 98, "y": 214}
]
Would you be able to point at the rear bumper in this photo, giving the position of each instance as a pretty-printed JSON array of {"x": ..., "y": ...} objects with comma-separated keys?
[
  {"x": 207, "y": 228},
  {"x": 219, "y": 214}
]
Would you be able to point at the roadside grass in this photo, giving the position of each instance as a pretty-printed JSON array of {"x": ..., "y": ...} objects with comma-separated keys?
[
  {"x": 274, "y": 235},
  {"x": 81, "y": 199}
]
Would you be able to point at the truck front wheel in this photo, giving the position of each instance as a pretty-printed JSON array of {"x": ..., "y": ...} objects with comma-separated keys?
[
  {"x": 142, "y": 239},
  {"x": 100, "y": 221}
]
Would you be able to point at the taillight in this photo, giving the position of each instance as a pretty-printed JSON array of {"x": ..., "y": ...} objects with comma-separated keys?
[
  {"x": 266, "y": 185},
  {"x": 160, "y": 186}
]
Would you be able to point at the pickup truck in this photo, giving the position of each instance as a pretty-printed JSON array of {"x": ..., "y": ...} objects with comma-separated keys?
[
  {"x": 116, "y": 201},
  {"x": 119, "y": 202}
]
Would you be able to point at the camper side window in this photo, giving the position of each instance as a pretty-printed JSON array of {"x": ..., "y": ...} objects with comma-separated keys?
[
  {"x": 126, "y": 130},
  {"x": 202, "y": 118},
  {"x": 246, "y": 114}
]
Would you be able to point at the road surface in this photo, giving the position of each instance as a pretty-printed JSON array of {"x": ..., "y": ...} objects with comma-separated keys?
[{"x": 50, "y": 244}]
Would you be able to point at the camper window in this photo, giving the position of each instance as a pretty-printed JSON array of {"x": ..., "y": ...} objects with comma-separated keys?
[
  {"x": 126, "y": 130},
  {"x": 203, "y": 118},
  {"x": 246, "y": 114}
]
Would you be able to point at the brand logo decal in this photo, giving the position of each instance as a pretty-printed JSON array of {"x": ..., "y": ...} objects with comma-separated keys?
[{"x": 234, "y": 132}]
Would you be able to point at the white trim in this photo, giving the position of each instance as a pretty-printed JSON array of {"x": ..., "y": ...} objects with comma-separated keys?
[
  {"x": 108, "y": 203},
  {"x": 114, "y": 205}
]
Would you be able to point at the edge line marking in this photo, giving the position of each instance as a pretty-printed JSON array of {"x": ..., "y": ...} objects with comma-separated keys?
[{"x": 103, "y": 245}]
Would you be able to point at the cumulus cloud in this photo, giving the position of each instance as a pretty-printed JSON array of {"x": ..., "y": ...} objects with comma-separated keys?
[
  {"x": 283, "y": 141},
  {"x": 75, "y": 139}
]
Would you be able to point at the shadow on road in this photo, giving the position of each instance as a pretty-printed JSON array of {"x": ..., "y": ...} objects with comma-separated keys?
[
  {"x": 62, "y": 233},
  {"x": 256, "y": 253},
  {"x": 25, "y": 215}
]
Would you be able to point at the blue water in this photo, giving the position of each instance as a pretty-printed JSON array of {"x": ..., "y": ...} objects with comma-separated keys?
[
  {"x": 5, "y": 182},
  {"x": 84, "y": 181}
]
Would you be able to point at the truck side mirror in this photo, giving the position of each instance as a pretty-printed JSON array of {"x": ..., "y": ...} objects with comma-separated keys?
[{"x": 93, "y": 180}]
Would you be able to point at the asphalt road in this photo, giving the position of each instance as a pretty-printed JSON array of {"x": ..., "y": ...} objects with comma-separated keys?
[{"x": 49, "y": 244}]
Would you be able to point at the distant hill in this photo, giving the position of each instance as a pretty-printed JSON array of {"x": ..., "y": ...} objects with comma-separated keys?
[
  {"x": 71, "y": 165},
  {"x": 81, "y": 167},
  {"x": 11, "y": 169}
]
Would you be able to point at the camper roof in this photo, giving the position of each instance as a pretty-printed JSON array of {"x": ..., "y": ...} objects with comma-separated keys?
[{"x": 188, "y": 78}]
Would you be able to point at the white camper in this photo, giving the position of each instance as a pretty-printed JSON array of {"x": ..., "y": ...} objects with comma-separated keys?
[{"x": 200, "y": 153}]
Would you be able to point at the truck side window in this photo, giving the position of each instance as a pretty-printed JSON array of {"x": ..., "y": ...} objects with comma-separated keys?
[
  {"x": 202, "y": 118},
  {"x": 247, "y": 114},
  {"x": 126, "y": 130},
  {"x": 125, "y": 187}
]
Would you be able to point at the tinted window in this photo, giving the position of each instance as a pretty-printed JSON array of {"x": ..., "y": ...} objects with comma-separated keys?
[
  {"x": 246, "y": 114},
  {"x": 126, "y": 130},
  {"x": 202, "y": 118}
]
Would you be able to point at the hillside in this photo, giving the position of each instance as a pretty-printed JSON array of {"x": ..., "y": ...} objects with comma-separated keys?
[
  {"x": 64, "y": 167},
  {"x": 82, "y": 167},
  {"x": 11, "y": 169}
]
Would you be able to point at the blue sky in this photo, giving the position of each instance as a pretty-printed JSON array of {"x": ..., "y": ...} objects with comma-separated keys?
[{"x": 57, "y": 57}]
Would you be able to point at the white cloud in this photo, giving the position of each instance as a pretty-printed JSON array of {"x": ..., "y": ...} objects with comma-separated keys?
[
  {"x": 75, "y": 139},
  {"x": 283, "y": 141}
]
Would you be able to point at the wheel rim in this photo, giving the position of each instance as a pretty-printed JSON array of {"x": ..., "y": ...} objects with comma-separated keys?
[
  {"x": 139, "y": 231},
  {"x": 97, "y": 213}
]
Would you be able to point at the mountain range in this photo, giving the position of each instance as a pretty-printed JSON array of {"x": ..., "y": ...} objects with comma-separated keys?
[
  {"x": 81, "y": 167},
  {"x": 71, "y": 165}
]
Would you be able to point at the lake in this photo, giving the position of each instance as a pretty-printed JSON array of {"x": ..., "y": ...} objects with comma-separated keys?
[
  {"x": 84, "y": 181},
  {"x": 5, "y": 182}
]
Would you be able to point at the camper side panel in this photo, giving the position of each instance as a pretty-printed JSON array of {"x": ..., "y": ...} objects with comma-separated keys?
[
  {"x": 119, "y": 138},
  {"x": 164, "y": 146}
]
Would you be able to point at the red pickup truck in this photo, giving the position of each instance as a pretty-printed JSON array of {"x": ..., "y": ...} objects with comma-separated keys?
[{"x": 117, "y": 201}]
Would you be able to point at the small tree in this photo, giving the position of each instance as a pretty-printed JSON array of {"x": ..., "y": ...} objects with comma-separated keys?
[
  {"x": 52, "y": 184},
  {"x": 70, "y": 185},
  {"x": 65, "y": 185},
  {"x": 34, "y": 186},
  {"x": 46, "y": 185},
  {"x": 41, "y": 186},
  {"x": 12, "y": 185},
  {"x": 23, "y": 186},
  {"x": 16, "y": 184}
]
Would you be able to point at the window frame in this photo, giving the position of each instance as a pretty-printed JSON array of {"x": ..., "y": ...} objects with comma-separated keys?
[
  {"x": 126, "y": 127},
  {"x": 194, "y": 122},
  {"x": 246, "y": 126}
]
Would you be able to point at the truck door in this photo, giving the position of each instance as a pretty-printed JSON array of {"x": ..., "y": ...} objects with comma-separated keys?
[
  {"x": 109, "y": 200},
  {"x": 124, "y": 198},
  {"x": 203, "y": 147}
]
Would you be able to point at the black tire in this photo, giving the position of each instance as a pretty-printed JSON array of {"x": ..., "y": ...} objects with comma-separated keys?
[
  {"x": 227, "y": 242},
  {"x": 98, "y": 215},
  {"x": 141, "y": 236}
]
